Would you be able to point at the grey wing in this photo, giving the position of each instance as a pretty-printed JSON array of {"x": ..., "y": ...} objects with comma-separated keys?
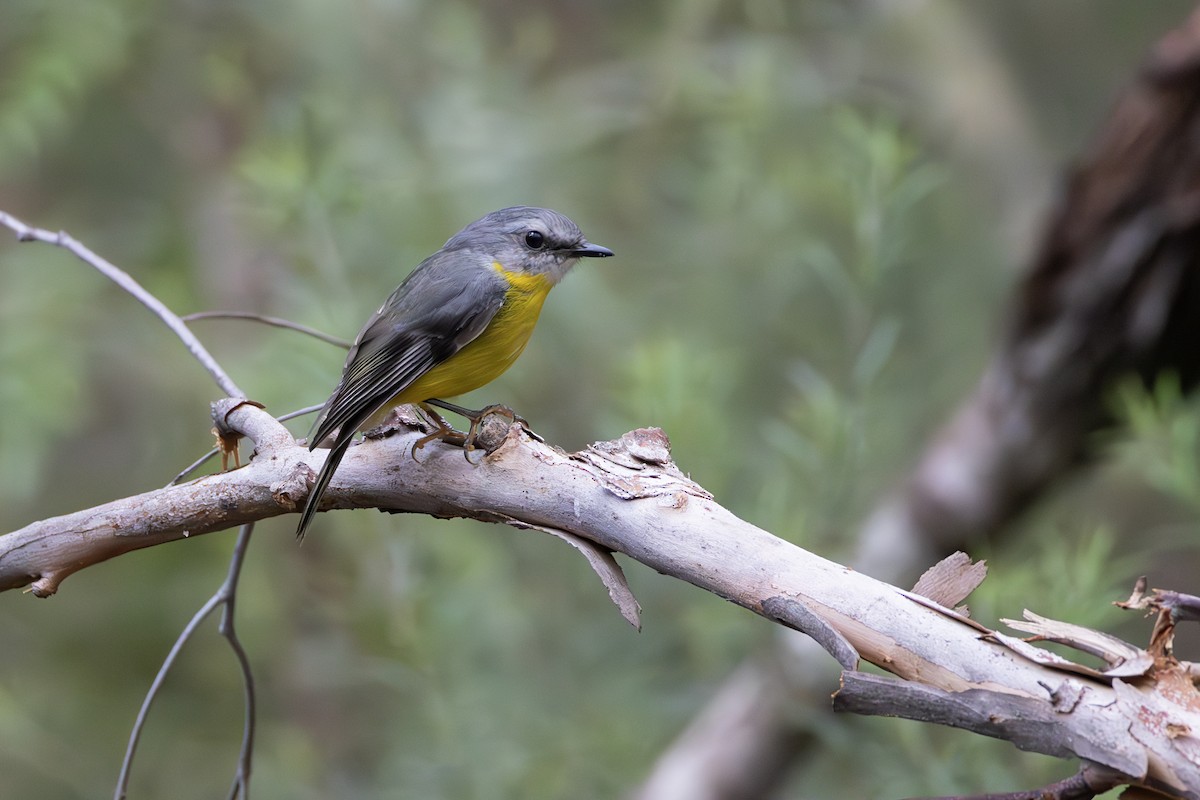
[{"x": 429, "y": 318}]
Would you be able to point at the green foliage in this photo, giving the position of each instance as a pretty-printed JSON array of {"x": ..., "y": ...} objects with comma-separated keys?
[
  {"x": 1165, "y": 444},
  {"x": 1027, "y": 574},
  {"x": 811, "y": 235},
  {"x": 57, "y": 53},
  {"x": 40, "y": 313}
]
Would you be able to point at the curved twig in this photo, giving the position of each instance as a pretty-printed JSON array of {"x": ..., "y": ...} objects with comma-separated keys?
[
  {"x": 225, "y": 595},
  {"x": 276, "y": 322},
  {"x": 300, "y": 412},
  {"x": 136, "y": 734},
  {"x": 192, "y": 467},
  {"x": 26, "y": 233},
  {"x": 241, "y": 780}
]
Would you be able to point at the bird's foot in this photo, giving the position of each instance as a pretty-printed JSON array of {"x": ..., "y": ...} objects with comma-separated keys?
[
  {"x": 444, "y": 433},
  {"x": 466, "y": 440}
]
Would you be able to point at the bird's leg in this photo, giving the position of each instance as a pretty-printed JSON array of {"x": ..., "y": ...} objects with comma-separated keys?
[
  {"x": 476, "y": 417},
  {"x": 444, "y": 432}
]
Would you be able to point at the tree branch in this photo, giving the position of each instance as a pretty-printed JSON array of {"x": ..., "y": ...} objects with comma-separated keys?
[
  {"x": 628, "y": 496},
  {"x": 1086, "y": 784}
]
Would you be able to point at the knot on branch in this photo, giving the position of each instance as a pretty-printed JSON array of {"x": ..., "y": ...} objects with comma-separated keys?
[
  {"x": 47, "y": 584},
  {"x": 292, "y": 490},
  {"x": 234, "y": 417}
]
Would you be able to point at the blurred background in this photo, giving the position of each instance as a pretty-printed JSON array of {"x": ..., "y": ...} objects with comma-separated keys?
[{"x": 818, "y": 211}]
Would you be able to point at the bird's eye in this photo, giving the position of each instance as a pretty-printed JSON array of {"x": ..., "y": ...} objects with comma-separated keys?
[{"x": 534, "y": 240}]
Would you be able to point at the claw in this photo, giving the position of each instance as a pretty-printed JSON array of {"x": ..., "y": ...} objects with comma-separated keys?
[
  {"x": 444, "y": 432},
  {"x": 466, "y": 441}
]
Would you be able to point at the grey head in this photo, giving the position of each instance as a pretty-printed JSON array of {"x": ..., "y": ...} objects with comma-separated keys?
[{"x": 528, "y": 239}]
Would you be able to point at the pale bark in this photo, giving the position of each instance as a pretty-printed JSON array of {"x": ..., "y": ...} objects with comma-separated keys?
[{"x": 628, "y": 496}]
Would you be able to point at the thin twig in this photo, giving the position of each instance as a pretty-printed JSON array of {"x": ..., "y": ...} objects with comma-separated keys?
[
  {"x": 241, "y": 781},
  {"x": 192, "y": 467},
  {"x": 277, "y": 322},
  {"x": 25, "y": 233},
  {"x": 225, "y": 595},
  {"x": 143, "y": 713},
  {"x": 300, "y": 412}
]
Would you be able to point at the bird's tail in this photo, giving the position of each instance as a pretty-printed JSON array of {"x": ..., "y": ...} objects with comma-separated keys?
[{"x": 320, "y": 485}]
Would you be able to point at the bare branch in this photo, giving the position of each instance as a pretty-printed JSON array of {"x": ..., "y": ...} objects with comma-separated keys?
[
  {"x": 300, "y": 412},
  {"x": 999, "y": 714},
  {"x": 1083, "y": 785},
  {"x": 226, "y": 595},
  {"x": 277, "y": 322},
  {"x": 195, "y": 465},
  {"x": 628, "y": 496},
  {"x": 241, "y": 780},
  {"x": 25, "y": 233}
]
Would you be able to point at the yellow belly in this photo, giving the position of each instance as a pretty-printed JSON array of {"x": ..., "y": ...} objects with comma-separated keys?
[{"x": 487, "y": 356}]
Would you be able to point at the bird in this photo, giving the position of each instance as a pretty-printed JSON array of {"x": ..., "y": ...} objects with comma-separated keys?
[{"x": 457, "y": 322}]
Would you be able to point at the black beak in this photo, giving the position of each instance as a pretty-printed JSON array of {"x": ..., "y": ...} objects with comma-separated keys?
[{"x": 589, "y": 250}]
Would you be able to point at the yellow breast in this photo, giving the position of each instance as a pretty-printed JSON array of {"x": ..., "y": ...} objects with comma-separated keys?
[{"x": 487, "y": 356}]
